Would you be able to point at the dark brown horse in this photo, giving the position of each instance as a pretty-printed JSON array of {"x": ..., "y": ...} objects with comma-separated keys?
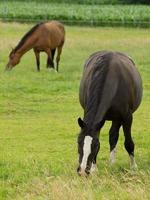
[
  {"x": 46, "y": 36},
  {"x": 110, "y": 89}
]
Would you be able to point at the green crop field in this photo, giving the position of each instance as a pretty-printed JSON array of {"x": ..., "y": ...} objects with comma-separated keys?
[
  {"x": 114, "y": 15},
  {"x": 38, "y": 121}
]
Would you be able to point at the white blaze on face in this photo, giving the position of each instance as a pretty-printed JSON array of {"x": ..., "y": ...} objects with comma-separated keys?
[{"x": 86, "y": 151}]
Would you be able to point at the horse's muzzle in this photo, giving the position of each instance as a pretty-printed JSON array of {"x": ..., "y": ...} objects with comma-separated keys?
[{"x": 8, "y": 67}]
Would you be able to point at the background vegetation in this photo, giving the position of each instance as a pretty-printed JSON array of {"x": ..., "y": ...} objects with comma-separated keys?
[
  {"x": 102, "y": 15},
  {"x": 99, "y": 2},
  {"x": 38, "y": 121}
]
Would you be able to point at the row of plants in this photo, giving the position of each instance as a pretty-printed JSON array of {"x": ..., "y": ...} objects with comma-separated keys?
[
  {"x": 130, "y": 15},
  {"x": 91, "y": 2}
]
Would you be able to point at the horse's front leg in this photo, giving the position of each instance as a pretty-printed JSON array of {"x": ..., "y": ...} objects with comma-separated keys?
[
  {"x": 94, "y": 166},
  {"x": 37, "y": 55}
]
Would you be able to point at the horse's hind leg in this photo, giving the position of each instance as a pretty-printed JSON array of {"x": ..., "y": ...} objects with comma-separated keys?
[
  {"x": 53, "y": 54},
  {"x": 50, "y": 63},
  {"x": 113, "y": 138},
  {"x": 59, "y": 50},
  {"x": 37, "y": 55},
  {"x": 129, "y": 144}
]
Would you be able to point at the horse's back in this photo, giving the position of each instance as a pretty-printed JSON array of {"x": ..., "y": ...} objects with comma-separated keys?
[
  {"x": 121, "y": 72},
  {"x": 129, "y": 79},
  {"x": 51, "y": 34},
  {"x": 55, "y": 30}
]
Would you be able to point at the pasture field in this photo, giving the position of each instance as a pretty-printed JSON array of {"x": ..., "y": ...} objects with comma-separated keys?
[
  {"x": 38, "y": 121},
  {"x": 113, "y": 15}
]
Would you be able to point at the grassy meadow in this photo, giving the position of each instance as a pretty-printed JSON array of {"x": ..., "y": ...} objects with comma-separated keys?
[{"x": 38, "y": 121}]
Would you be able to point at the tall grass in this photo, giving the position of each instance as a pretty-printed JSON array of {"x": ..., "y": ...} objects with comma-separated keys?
[
  {"x": 125, "y": 15},
  {"x": 38, "y": 121}
]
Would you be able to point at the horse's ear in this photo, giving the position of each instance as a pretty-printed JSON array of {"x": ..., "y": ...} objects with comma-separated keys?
[{"x": 81, "y": 123}]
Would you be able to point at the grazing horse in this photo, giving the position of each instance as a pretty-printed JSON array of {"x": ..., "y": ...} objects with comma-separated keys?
[
  {"x": 45, "y": 36},
  {"x": 110, "y": 89}
]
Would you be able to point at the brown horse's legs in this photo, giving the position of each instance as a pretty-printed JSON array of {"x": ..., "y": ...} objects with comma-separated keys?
[
  {"x": 37, "y": 55},
  {"x": 53, "y": 53},
  {"x": 50, "y": 63},
  {"x": 59, "y": 50}
]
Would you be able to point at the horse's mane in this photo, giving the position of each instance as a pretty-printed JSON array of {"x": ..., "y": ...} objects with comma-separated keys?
[
  {"x": 96, "y": 88},
  {"x": 25, "y": 37}
]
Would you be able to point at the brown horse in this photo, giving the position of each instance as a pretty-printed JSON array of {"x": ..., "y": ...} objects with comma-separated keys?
[{"x": 45, "y": 36}]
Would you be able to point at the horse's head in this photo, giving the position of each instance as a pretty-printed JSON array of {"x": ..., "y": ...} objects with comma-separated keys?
[
  {"x": 88, "y": 147},
  {"x": 14, "y": 59}
]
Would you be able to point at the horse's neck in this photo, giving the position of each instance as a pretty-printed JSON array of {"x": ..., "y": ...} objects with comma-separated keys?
[
  {"x": 29, "y": 44},
  {"x": 89, "y": 115}
]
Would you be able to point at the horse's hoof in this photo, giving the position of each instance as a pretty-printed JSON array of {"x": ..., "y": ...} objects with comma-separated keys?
[
  {"x": 134, "y": 167},
  {"x": 112, "y": 161},
  {"x": 93, "y": 168}
]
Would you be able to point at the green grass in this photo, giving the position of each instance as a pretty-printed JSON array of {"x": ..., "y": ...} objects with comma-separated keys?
[
  {"x": 112, "y": 15},
  {"x": 38, "y": 121}
]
